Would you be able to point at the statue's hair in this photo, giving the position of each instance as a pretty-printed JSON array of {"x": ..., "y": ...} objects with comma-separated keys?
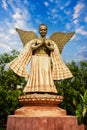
[{"x": 42, "y": 25}]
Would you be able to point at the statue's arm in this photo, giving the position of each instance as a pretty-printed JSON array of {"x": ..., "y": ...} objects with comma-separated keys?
[{"x": 35, "y": 45}]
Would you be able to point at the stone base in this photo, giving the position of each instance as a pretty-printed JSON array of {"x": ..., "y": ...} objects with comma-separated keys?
[
  {"x": 40, "y": 111},
  {"x": 42, "y": 123},
  {"x": 40, "y": 105},
  {"x": 40, "y": 99}
]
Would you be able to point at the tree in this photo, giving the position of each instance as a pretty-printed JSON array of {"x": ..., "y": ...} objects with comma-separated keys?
[
  {"x": 72, "y": 89},
  {"x": 8, "y": 86},
  {"x": 81, "y": 107}
]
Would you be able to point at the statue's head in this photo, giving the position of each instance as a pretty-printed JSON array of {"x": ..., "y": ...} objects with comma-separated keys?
[{"x": 43, "y": 30}]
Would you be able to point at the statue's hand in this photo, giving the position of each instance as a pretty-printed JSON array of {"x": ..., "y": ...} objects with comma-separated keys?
[
  {"x": 36, "y": 44},
  {"x": 49, "y": 45},
  {"x": 47, "y": 42},
  {"x": 39, "y": 42}
]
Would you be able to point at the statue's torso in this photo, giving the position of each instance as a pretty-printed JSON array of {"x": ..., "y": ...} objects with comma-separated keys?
[{"x": 42, "y": 49}]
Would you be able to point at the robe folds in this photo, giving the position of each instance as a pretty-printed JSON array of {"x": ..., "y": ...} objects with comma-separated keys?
[{"x": 42, "y": 75}]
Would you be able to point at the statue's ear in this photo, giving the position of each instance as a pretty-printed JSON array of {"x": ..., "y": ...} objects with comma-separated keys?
[
  {"x": 61, "y": 39},
  {"x": 26, "y": 36}
]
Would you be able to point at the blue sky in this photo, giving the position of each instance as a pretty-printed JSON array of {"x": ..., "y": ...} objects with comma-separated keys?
[{"x": 58, "y": 15}]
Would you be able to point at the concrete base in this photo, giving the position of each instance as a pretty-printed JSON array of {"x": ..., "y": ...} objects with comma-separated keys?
[
  {"x": 40, "y": 111},
  {"x": 16, "y": 122}
]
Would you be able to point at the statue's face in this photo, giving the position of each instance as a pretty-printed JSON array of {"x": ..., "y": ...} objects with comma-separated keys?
[{"x": 43, "y": 30}]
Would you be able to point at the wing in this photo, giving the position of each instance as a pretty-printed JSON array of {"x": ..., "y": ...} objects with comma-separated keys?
[
  {"x": 19, "y": 64},
  {"x": 61, "y": 39},
  {"x": 26, "y": 36}
]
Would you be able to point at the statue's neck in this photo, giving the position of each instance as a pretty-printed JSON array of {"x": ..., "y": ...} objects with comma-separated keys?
[{"x": 43, "y": 37}]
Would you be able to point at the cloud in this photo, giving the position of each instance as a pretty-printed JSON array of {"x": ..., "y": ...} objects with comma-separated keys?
[
  {"x": 46, "y": 3},
  {"x": 82, "y": 49},
  {"x": 6, "y": 47},
  {"x": 82, "y": 56},
  {"x": 51, "y": 1},
  {"x": 81, "y": 53},
  {"x": 68, "y": 26},
  {"x": 81, "y": 31},
  {"x": 12, "y": 31},
  {"x": 76, "y": 21},
  {"x": 26, "y": 2},
  {"x": 77, "y": 9},
  {"x": 86, "y": 19},
  {"x": 67, "y": 3},
  {"x": 4, "y": 4},
  {"x": 18, "y": 16}
]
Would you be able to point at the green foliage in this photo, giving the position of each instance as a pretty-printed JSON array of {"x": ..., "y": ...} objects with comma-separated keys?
[
  {"x": 8, "y": 87},
  {"x": 74, "y": 91},
  {"x": 81, "y": 107}
]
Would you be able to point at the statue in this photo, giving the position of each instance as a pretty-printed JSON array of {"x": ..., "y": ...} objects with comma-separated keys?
[
  {"x": 46, "y": 63},
  {"x": 41, "y": 100}
]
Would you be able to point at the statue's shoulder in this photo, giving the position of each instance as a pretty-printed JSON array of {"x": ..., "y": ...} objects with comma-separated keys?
[{"x": 32, "y": 41}]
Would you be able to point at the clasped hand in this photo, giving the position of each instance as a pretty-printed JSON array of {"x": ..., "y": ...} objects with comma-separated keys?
[{"x": 43, "y": 42}]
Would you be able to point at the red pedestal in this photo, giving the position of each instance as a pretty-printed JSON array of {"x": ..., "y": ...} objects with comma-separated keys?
[{"x": 16, "y": 122}]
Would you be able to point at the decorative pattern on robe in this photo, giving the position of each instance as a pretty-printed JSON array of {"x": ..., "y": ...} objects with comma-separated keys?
[
  {"x": 59, "y": 71},
  {"x": 19, "y": 64},
  {"x": 40, "y": 79}
]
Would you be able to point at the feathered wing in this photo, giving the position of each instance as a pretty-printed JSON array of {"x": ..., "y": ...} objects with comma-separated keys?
[
  {"x": 60, "y": 70},
  {"x": 61, "y": 39},
  {"x": 26, "y": 36},
  {"x": 19, "y": 64}
]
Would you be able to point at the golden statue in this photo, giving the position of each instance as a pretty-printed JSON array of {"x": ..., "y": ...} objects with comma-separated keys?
[
  {"x": 46, "y": 63},
  {"x": 40, "y": 95}
]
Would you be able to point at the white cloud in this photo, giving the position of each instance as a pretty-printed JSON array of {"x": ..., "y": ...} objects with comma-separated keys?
[
  {"x": 51, "y": 1},
  {"x": 26, "y": 2},
  {"x": 20, "y": 14},
  {"x": 53, "y": 14},
  {"x": 4, "y": 36},
  {"x": 77, "y": 10},
  {"x": 80, "y": 58},
  {"x": 54, "y": 10},
  {"x": 54, "y": 22},
  {"x": 82, "y": 55},
  {"x": 81, "y": 31},
  {"x": 12, "y": 31},
  {"x": 67, "y": 3},
  {"x": 86, "y": 19},
  {"x": 68, "y": 26},
  {"x": 82, "y": 49},
  {"x": 4, "y": 4},
  {"x": 19, "y": 17},
  {"x": 75, "y": 37},
  {"x": 75, "y": 21},
  {"x": 38, "y": 21},
  {"x": 6, "y": 47},
  {"x": 46, "y": 3}
]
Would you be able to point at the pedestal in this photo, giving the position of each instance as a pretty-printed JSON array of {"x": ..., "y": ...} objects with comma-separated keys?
[
  {"x": 41, "y": 112},
  {"x": 42, "y": 123},
  {"x": 40, "y": 105}
]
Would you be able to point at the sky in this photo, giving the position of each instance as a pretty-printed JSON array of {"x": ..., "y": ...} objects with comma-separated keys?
[{"x": 59, "y": 16}]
